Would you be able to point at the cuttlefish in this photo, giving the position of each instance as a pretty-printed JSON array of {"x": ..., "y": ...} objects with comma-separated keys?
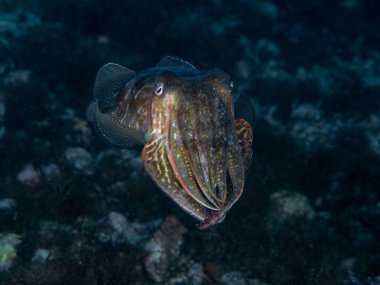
[{"x": 194, "y": 148}]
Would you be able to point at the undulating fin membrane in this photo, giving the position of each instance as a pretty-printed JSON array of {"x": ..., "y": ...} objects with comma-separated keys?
[
  {"x": 111, "y": 130},
  {"x": 110, "y": 81},
  {"x": 244, "y": 136},
  {"x": 175, "y": 61},
  {"x": 244, "y": 109}
]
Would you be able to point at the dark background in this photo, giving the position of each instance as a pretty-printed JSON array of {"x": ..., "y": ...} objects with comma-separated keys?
[{"x": 310, "y": 210}]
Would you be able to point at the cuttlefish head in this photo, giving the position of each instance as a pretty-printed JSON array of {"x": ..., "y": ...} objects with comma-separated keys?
[{"x": 195, "y": 150}]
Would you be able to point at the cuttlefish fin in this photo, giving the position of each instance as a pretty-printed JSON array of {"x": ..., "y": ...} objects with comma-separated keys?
[
  {"x": 174, "y": 61},
  {"x": 110, "y": 81},
  {"x": 111, "y": 129},
  {"x": 244, "y": 135},
  {"x": 157, "y": 164}
]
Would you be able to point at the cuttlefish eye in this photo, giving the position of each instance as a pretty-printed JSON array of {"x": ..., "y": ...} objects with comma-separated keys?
[
  {"x": 159, "y": 88},
  {"x": 232, "y": 84}
]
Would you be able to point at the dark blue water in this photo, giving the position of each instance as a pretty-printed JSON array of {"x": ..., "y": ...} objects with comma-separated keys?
[{"x": 74, "y": 210}]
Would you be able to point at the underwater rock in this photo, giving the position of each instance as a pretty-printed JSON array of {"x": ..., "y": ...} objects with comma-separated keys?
[
  {"x": 287, "y": 206},
  {"x": 50, "y": 171},
  {"x": 309, "y": 129},
  {"x": 7, "y": 204},
  {"x": 126, "y": 159},
  {"x": 116, "y": 229},
  {"x": 78, "y": 158},
  {"x": 29, "y": 175},
  {"x": 16, "y": 77},
  {"x": 185, "y": 271},
  {"x": 178, "y": 280},
  {"x": 196, "y": 274},
  {"x": 237, "y": 278},
  {"x": 291, "y": 204},
  {"x": 357, "y": 279},
  {"x": 118, "y": 222},
  {"x": 18, "y": 22},
  {"x": 233, "y": 278},
  {"x": 163, "y": 248},
  {"x": 7, "y": 209},
  {"x": 366, "y": 68},
  {"x": 41, "y": 255},
  {"x": 8, "y": 253},
  {"x": 132, "y": 233}
]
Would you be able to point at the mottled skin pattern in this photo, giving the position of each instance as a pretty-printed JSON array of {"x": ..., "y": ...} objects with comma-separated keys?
[{"x": 194, "y": 149}]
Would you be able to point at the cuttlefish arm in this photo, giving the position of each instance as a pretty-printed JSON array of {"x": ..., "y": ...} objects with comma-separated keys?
[
  {"x": 239, "y": 157},
  {"x": 156, "y": 162},
  {"x": 245, "y": 136}
]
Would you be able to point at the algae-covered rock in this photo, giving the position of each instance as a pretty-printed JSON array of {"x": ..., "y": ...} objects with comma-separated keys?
[{"x": 8, "y": 252}]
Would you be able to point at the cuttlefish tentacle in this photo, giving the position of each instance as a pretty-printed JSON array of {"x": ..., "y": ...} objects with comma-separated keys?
[{"x": 157, "y": 164}]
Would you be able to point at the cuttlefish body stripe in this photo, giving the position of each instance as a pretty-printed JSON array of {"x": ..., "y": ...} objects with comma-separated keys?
[{"x": 179, "y": 161}]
